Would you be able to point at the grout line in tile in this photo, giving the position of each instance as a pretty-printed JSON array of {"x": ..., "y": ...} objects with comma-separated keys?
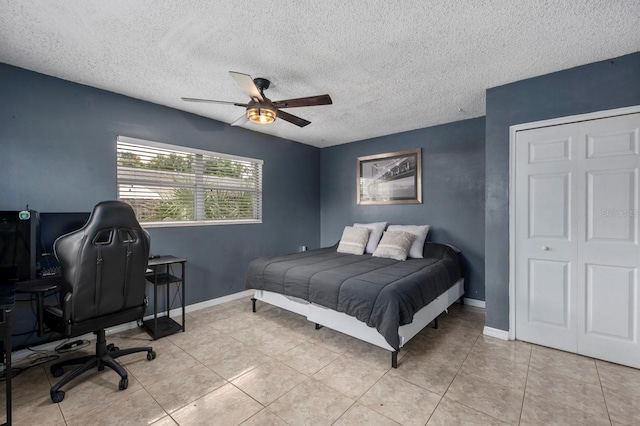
[
  {"x": 460, "y": 367},
  {"x": 604, "y": 397},
  {"x": 436, "y": 407},
  {"x": 271, "y": 411},
  {"x": 454, "y": 377},
  {"x": 261, "y": 404},
  {"x": 524, "y": 393},
  {"x": 344, "y": 412},
  {"x": 360, "y": 364}
]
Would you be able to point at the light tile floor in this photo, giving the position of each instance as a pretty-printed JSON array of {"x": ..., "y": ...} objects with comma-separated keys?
[{"x": 272, "y": 367}]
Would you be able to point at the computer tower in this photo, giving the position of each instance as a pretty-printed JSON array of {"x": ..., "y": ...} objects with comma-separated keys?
[{"x": 18, "y": 245}]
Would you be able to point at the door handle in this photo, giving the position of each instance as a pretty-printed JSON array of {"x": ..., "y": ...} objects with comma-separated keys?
[{"x": 545, "y": 248}]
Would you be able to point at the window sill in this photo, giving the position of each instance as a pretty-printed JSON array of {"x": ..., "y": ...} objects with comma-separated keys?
[{"x": 174, "y": 224}]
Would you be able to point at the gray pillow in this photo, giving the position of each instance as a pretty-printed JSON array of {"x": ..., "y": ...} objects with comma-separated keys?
[
  {"x": 376, "y": 232},
  {"x": 420, "y": 231},
  {"x": 394, "y": 245},
  {"x": 353, "y": 240}
]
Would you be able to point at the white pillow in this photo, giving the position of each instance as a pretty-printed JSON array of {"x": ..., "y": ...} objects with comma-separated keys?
[
  {"x": 353, "y": 240},
  {"x": 394, "y": 245},
  {"x": 377, "y": 228},
  {"x": 420, "y": 231}
]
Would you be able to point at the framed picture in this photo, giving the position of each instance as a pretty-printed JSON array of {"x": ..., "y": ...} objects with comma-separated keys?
[{"x": 390, "y": 178}]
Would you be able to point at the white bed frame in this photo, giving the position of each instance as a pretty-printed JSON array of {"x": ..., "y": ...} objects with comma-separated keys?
[{"x": 349, "y": 325}]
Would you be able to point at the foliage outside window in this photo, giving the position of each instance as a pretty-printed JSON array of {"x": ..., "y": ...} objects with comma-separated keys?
[{"x": 168, "y": 184}]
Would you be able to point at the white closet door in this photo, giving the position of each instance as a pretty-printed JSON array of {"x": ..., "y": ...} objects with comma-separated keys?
[
  {"x": 546, "y": 254},
  {"x": 577, "y": 237},
  {"x": 608, "y": 255}
]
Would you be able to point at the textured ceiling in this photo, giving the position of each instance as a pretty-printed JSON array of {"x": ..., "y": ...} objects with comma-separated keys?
[{"x": 389, "y": 66}]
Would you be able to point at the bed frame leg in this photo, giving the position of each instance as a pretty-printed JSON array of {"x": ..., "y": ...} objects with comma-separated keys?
[
  {"x": 435, "y": 323},
  {"x": 318, "y": 326},
  {"x": 394, "y": 359},
  {"x": 253, "y": 302}
]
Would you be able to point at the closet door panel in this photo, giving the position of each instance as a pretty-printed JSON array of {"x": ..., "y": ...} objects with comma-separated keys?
[
  {"x": 546, "y": 238},
  {"x": 608, "y": 251}
]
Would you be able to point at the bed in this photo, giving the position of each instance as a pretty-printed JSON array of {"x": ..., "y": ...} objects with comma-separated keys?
[{"x": 382, "y": 301}]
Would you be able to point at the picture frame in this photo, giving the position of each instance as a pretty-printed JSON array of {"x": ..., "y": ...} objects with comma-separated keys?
[{"x": 390, "y": 178}]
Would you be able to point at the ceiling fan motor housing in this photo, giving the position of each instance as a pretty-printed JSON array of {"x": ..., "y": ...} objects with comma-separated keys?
[{"x": 261, "y": 83}]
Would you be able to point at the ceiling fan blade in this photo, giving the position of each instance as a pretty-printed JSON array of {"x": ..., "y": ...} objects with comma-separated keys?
[
  {"x": 302, "y": 102},
  {"x": 240, "y": 121},
  {"x": 211, "y": 101},
  {"x": 247, "y": 85},
  {"x": 300, "y": 122}
]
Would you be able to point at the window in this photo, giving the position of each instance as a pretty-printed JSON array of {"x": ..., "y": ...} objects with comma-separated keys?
[{"x": 168, "y": 184}]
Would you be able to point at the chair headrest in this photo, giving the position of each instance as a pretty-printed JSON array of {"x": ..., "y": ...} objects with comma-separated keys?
[{"x": 108, "y": 214}]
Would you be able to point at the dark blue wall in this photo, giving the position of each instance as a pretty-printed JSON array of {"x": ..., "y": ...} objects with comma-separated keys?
[
  {"x": 58, "y": 144},
  {"x": 452, "y": 190},
  {"x": 599, "y": 86}
]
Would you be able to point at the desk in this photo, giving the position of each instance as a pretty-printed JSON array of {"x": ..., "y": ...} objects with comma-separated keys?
[
  {"x": 38, "y": 286},
  {"x": 7, "y": 302}
]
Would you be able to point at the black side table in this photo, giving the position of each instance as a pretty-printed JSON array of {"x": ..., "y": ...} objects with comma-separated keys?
[{"x": 161, "y": 273}]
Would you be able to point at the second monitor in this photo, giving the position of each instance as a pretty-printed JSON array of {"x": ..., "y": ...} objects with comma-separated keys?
[{"x": 52, "y": 226}]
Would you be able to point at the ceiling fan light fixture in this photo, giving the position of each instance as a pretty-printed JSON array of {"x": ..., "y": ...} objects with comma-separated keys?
[{"x": 261, "y": 114}]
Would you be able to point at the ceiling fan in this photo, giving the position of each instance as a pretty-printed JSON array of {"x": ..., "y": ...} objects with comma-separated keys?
[{"x": 261, "y": 109}]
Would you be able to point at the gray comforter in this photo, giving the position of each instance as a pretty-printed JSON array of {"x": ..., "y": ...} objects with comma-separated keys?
[{"x": 383, "y": 293}]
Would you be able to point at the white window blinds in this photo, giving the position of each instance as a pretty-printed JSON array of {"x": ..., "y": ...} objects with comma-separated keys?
[{"x": 171, "y": 184}]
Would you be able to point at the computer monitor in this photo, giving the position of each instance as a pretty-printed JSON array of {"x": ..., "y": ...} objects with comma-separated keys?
[
  {"x": 52, "y": 226},
  {"x": 18, "y": 236}
]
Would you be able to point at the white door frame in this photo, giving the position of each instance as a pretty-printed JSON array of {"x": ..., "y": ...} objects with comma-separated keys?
[{"x": 512, "y": 192}]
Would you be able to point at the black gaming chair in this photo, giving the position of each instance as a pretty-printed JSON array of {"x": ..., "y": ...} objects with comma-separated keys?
[{"x": 103, "y": 265}]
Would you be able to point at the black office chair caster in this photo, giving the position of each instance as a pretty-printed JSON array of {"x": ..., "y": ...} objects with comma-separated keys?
[
  {"x": 57, "y": 396},
  {"x": 151, "y": 355},
  {"x": 123, "y": 384},
  {"x": 57, "y": 372}
]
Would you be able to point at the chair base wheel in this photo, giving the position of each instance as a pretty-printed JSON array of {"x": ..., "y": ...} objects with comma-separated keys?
[
  {"x": 57, "y": 396},
  {"x": 123, "y": 384},
  {"x": 57, "y": 372},
  {"x": 151, "y": 355}
]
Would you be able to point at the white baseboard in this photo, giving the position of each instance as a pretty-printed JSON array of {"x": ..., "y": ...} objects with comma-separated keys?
[
  {"x": 496, "y": 332},
  {"x": 474, "y": 302},
  {"x": 216, "y": 301},
  {"x": 51, "y": 346}
]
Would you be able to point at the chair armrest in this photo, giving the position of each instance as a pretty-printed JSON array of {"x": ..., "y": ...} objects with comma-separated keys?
[
  {"x": 55, "y": 310},
  {"x": 67, "y": 307},
  {"x": 61, "y": 314}
]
